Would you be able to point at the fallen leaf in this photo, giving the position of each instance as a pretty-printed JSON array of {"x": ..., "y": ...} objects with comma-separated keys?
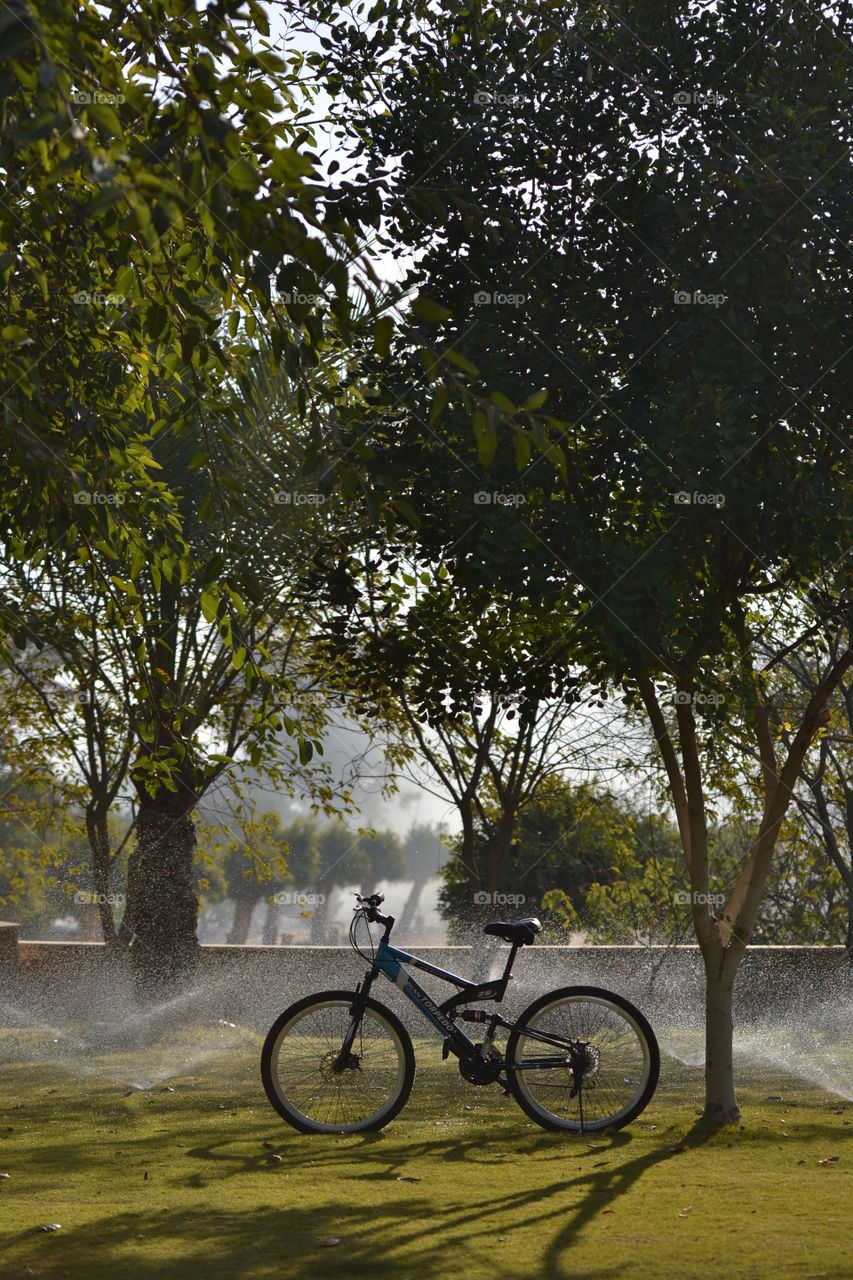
[
  {"x": 403, "y": 1179},
  {"x": 830, "y": 1160},
  {"x": 332, "y": 1240},
  {"x": 274, "y": 1159},
  {"x": 682, "y": 1213},
  {"x": 51, "y": 1226}
]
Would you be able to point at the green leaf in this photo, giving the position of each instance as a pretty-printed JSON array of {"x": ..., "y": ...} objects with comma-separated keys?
[
  {"x": 430, "y": 311},
  {"x": 156, "y": 319},
  {"x": 502, "y": 401},
  {"x": 462, "y": 363},
  {"x": 439, "y": 403},
  {"x": 209, "y": 605},
  {"x": 521, "y": 445},
  {"x": 137, "y": 561},
  {"x": 382, "y": 331},
  {"x": 535, "y": 401},
  {"x": 243, "y": 176}
]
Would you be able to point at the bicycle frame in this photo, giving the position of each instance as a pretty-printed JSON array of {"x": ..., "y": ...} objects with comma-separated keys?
[{"x": 390, "y": 961}]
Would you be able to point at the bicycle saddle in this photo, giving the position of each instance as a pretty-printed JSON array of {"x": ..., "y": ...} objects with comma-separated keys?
[{"x": 521, "y": 932}]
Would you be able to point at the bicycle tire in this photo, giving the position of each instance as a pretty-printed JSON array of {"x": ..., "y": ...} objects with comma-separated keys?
[
  {"x": 307, "y": 1067},
  {"x": 622, "y": 1046}
]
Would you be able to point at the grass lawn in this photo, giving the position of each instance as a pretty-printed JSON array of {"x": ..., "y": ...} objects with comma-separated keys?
[{"x": 178, "y": 1181}]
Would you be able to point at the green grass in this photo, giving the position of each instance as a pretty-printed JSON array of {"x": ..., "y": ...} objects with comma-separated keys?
[{"x": 461, "y": 1184}]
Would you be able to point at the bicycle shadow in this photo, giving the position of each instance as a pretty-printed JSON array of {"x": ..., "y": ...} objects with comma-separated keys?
[{"x": 574, "y": 1202}]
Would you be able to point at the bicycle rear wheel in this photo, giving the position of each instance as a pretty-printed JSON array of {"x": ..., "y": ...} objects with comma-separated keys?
[
  {"x": 618, "y": 1048},
  {"x": 300, "y": 1079}
]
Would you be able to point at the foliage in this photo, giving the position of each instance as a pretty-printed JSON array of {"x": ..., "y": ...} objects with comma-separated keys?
[
  {"x": 674, "y": 246},
  {"x": 160, "y": 183}
]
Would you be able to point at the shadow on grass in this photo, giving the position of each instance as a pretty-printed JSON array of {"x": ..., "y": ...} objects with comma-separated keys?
[
  {"x": 409, "y": 1237},
  {"x": 414, "y": 1235}
]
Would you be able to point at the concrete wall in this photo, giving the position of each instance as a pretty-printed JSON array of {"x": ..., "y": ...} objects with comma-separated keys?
[{"x": 60, "y": 982}]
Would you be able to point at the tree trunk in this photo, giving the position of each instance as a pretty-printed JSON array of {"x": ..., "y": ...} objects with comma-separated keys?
[
  {"x": 721, "y": 1105},
  {"x": 244, "y": 909},
  {"x": 498, "y": 854},
  {"x": 270, "y": 933},
  {"x": 90, "y": 923},
  {"x": 469, "y": 857},
  {"x": 162, "y": 904},
  {"x": 410, "y": 906},
  {"x": 320, "y": 913},
  {"x": 99, "y": 844}
]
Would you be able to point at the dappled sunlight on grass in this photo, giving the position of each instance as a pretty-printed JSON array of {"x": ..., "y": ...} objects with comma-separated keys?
[{"x": 195, "y": 1176}]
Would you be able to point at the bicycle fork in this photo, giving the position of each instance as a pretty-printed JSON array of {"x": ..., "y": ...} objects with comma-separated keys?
[{"x": 346, "y": 1058}]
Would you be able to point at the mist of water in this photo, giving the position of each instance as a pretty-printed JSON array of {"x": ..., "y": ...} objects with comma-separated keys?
[{"x": 798, "y": 1029}]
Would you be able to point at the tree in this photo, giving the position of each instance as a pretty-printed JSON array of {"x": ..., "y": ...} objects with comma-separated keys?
[
  {"x": 684, "y": 295},
  {"x": 422, "y": 851},
  {"x": 352, "y": 858},
  {"x": 825, "y": 801},
  {"x": 155, "y": 692},
  {"x": 157, "y": 177},
  {"x": 572, "y": 840},
  {"x": 484, "y": 689}
]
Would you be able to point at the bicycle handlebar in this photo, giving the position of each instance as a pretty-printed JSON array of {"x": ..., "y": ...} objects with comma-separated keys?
[{"x": 370, "y": 907}]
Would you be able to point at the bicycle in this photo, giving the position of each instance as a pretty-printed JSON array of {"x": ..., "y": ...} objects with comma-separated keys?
[{"x": 341, "y": 1062}]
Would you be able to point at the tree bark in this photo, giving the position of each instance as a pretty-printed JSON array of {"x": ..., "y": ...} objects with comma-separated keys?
[
  {"x": 320, "y": 913},
  {"x": 721, "y": 1106},
  {"x": 498, "y": 853},
  {"x": 271, "y": 925},
  {"x": 99, "y": 843},
  {"x": 244, "y": 909},
  {"x": 162, "y": 904},
  {"x": 410, "y": 906}
]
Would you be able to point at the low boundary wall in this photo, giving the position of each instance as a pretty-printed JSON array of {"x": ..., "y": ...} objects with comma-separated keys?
[{"x": 58, "y": 982}]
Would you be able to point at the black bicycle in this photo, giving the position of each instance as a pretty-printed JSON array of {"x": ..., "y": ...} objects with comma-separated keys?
[{"x": 579, "y": 1059}]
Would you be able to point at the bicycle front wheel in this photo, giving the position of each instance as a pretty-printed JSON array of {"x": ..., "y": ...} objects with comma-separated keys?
[
  {"x": 301, "y": 1078},
  {"x": 613, "y": 1041}
]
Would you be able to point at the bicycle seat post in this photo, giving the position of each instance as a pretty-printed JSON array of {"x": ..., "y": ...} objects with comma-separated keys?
[{"x": 507, "y": 971}]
